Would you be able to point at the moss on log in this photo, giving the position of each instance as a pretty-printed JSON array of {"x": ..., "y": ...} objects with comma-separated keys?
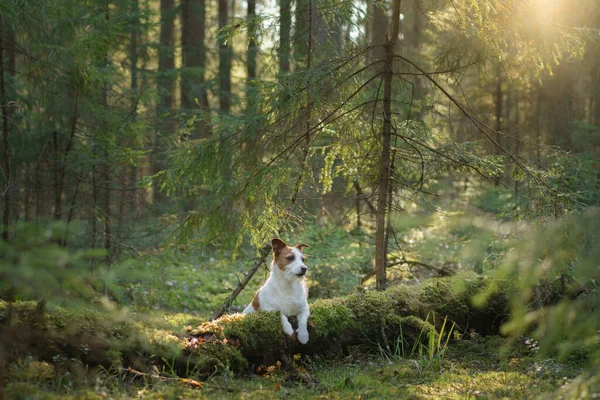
[
  {"x": 403, "y": 313},
  {"x": 407, "y": 313}
]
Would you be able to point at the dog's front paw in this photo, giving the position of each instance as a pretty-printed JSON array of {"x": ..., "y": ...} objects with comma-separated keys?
[
  {"x": 303, "y": 336},
  {"x": 288, "y": 329}
]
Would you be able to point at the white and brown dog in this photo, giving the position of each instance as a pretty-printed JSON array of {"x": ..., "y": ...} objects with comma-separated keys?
[{"x": 285, "y": 290}]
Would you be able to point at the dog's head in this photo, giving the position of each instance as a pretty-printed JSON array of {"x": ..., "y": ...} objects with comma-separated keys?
[{"x": 290, "y": 260}]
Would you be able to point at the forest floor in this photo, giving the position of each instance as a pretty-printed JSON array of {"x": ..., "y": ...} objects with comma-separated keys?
[
  {"x": 482, "y": 368},
  {"x": 183, "y": 288}
]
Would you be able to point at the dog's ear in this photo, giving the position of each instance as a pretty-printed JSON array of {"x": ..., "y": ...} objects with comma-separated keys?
[
  {"x": 301, "y": 246},
  {"x": 277, "y": 245}
]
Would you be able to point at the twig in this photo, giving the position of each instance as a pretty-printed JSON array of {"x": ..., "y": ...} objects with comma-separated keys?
[
  {"x": 263, "y": 253},
  {"x": 442, "y": 271},
  {"x": 189, "y": 381}
]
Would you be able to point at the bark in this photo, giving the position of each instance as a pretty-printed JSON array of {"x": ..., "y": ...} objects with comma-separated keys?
[
  {"x": 133, "y": 85},
  {"x": 7, "y": 187},
  {"x": 562, "y": 110},
  {"x": 498, "y": 102},
  {"x": 357, "y": 205},
  {"x": 165, "y": 87},
  {"x": 300, "y": 31},
  {"x": 252, "y": 48},
  {"x": 193, "y": 83},
  {"x": 61, "y": 160},
  {"x": 416, "y": 45},
  {"x": 385, "y": 162},
  {"x": 225, "y": 55},
  {"x": 379, "y": 31},
  {"x": 106, "y": 168},
  {"x": 285, "y": 18},
  {"x": 538, "y": 126}
]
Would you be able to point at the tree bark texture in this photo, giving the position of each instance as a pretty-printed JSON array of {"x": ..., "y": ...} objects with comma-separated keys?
[
  {"x": 251, "y": 62},
  {"x": 6, "y": 193},
  {"x": 193, "y": 83},
  {"x": 285, "y": 18},
  {"x": 225, "y": 55},
  {"x": 165, "y": 86},
  {"x": 385, "y": 162}
]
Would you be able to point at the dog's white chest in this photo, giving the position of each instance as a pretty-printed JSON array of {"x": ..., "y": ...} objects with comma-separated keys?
[{"x": 290, "y": 300}]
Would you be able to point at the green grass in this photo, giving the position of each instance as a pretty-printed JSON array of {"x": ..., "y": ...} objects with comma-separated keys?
[{"x": 487, "y": 368}]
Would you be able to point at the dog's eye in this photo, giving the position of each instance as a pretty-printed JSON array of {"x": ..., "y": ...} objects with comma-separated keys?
[
  {"x": 290, "y": 258},
  {"x": 302, "y": 259}
]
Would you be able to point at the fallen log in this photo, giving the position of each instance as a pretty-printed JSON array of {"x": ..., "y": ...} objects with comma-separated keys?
[
  {"x": 402, "y": 315},
  {"x": 405, "y": 313}
]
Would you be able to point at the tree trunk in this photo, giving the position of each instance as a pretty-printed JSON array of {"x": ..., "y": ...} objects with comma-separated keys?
[
  {"x": 252, "y": 48},
  {"x": 384, "y": 165},
  {"x": 225, "y": 55},
  {"x": 60, "y": 169},
  {"x": 193, "y": 85},
  {"x": 498, "y": 102},
  {"x": 285, "y": 18},
  {"x": 301, "y": 32},
  {"x": 379, "y": 31},
  {"x": 7, "y": 187},
  {"x": 416, "y": 45},
  {"x": 251, "y": 56},
  {"x": 106, "y": 167},
  {"x": 538, "y": 126},
  {"x": 165, "y": 87}
]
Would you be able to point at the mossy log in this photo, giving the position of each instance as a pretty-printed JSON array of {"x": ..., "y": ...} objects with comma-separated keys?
[{"x": 403, "y": 314}]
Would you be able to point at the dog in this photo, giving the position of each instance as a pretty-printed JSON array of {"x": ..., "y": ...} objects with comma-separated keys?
[{"x": 285, "y": 290}]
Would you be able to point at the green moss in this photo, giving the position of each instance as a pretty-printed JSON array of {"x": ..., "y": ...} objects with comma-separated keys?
[
  {"x": 407, "y": 299},
  {"x": 417, "y": 329},
  {"x": 26, "y": 370},
  {"x": 368, "y": 308},
  {"x": 256, "y": 331},
  {"x": 329, "y": 318},
  {"x": 218, "y": 355}
]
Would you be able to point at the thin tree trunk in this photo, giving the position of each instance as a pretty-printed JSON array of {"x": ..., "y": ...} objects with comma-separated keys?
[
  {"x": 7, "y": 189},
  {"x": 305, "y": 117},
  {"x": 94, "y": 191},
  {"x": 379, "y": 31},
  {"x": 415, "y": 41},
  {"x": 27, "y": 195},
  {"x": 358, "y": 193},
  {"x": 252, "y": 49},
  {"x": 538, "y": 127},
  {"x": 224, "y": 61},
  {"x": 133, "y": 85},
  {"x": 516, "y": 137},
  {"x": 193, "y": 85},
  {"x": 61, "y": 160},
  {"x": 106, "y": 170},
  {"x": 498, "y": 102},
  {"x": 251, "y": 62},
  {"x": 165, "y": 86},
  {"x": 300, "y": 32},
  {"x": 384, "y": 166},
  {"x": 285, "y": 17}
]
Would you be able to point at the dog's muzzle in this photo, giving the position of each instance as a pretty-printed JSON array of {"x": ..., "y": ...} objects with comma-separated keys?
[{"x": 302, "y": 271}]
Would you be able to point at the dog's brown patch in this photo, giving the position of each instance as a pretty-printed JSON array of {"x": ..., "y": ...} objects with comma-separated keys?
[
  {"x": 256, "y": 302},
  {"x": 281, "y": 251},
  {"x": 280, "y": 258}
]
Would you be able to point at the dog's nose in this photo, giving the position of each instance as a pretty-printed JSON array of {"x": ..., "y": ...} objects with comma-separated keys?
[{"x": 303, "y": 270}]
